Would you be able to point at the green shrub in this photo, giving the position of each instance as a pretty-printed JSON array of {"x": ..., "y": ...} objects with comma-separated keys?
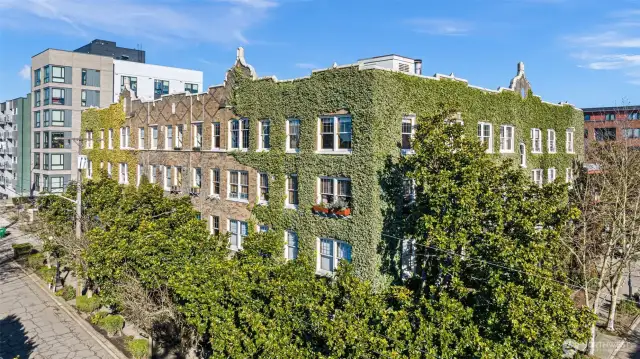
[
  {"x": 21, "y": 249},
  {"x": 139, "y": 348},
  {"x": 628, "y": 307},
  {"x": 87, "y": 305},
  {"x": 47, "y": 274},
  {"x": 97, "y": 318},
  {"x": 67, "y": 293},
  {"x": 112, "y": 324},
  {"x": 35, "y": 261}
]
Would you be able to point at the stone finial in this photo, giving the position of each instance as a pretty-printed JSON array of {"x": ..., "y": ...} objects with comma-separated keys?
[
  {"x": 452, "y": 75},
  {"x": 335, "y": 65},
  {"x": 240, "y": 54},
  {"x": 520, "y": 68}
]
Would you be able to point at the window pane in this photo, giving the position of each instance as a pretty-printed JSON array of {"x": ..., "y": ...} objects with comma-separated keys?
[
  {"x": 326, "y": 188},
  {"x": 294, "y": 134},
  {"x": 326, "y": 252},
  {"x": 327, "y": 133},
  {"x": 345, "y": 132},
  {"x": 344, "y": 251}
]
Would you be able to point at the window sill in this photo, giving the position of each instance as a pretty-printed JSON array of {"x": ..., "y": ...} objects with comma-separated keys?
[
  {"x": 291, "y": 206},
  {"x": 571, "y": 152},
  {"x": 536, "y": 153},
  {"x": 552, "y": 152},
  {"x": 292, "y": 151},
  {"x": 324, "y": 273},
  {"x": 218, "y": 150},
  {"x": 407, "y": 152},
  {"x": 238, "y": 200},
  {"x": 238, "y": 150},
  {"x": 507, "y": 151},
  {"x": 333, "y": 152},
  {"x": 263, "y": 203},
  {"x": 263, "y": 150},
  {"x": 235, "y": 248}
]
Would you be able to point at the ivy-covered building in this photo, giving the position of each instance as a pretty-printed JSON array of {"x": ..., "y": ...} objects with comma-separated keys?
[{"x": 314, "y": 157}]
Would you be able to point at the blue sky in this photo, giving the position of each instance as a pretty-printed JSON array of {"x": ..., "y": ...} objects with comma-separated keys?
[{"x": 586, "y": 52}]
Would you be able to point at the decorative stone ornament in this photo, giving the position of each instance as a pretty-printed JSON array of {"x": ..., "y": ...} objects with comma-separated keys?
[{"x": 519, "y": 83}]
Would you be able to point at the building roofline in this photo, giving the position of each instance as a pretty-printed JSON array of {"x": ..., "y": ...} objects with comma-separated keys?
[
  {"x": 73, "y": 52},
  {"x": 381, "y": 56},
  {"x": 612, "y": 108}
]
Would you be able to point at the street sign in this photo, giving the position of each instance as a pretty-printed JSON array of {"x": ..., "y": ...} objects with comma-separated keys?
[{"x": 82, "y": 162}]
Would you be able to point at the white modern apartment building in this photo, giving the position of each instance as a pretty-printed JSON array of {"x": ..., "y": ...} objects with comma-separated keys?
[{"x": 64, "y": 83}]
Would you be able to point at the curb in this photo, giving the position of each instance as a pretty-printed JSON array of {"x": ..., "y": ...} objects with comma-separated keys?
[
  {"x": 103, "y": 342},
  {"x": 624, "y": 341}
]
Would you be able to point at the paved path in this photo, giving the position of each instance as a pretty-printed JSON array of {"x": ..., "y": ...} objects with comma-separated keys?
[{"x": 32, "y": 325}]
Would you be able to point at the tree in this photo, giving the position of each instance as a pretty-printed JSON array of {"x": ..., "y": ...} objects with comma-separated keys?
[{"x": 488, "y": 237}]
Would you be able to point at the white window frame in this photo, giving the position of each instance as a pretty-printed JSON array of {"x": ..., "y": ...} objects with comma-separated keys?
[
  {"x": 168, "y": 145},
  {"x": 537, "y": 176},
  {"x": 141, "y": 138},
  {"x": 153, "y": 138},
  {"x": 212, "y": 227},
  {"x": 152, "y": 173},
  {"x": 111, "y": 138},
  {"x": 507, "y": 144},
  {"x": 179, "y": 137},
  {"x": 551, "y": 141},
  {"x": 335, "y": 259},
  {"x": 239, "y": 184},
  {"x": 195, "y": 178},
  {"x": 523, "y": 154},
  {"x": 261, "y": 135},
  {"x": 551, "y": 174},
  {"x": 167, "y": 179},
  {"x": 287, "y": 245},
  {"x": 139, "y": 171},
  {"x": 288, "y": 133},
  {"x": 568, "y": 175},
  {"x": 411, "y": 119},
  {"x": 240, "y": 238},
  {"x": 123, "y": 173},
  {"x": 214, "y": 136},
  {"x": 483, "y": 138},
  {"x": 59, "y": 158},
  {"x": 536, "y": 142},
  {"x": 197, "y": 137},
  {"x": 335, "y": 181},
  {"x": 109, "y": 169},
  {"x": 286, "y": 189},
  {"x": 89, "y": 172},
  {"x": 242, "y": 122},
  {"x": 336, "y": 135},
  {"x": 102, "y": 139},
  {"x": 260, "y": 186},
  {"x": 89, "y": 139},
  {"x": 212, "y": 183},
  {"x": 570, "y": 140}
]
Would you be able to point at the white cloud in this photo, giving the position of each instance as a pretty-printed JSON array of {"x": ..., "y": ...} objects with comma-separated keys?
[
  {"x": 443, "y": 27},
  {"x": 308, "y": 66},
  {"x": 25, "y": 72},
  {"x": 219, "y": 21}
]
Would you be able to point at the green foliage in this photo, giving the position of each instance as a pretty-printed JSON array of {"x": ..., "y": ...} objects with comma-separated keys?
[
  {"x": 112, "y": 324},
  {"x": 47, "y": 274},
  {"x": 139, "y": 348},
  {"x": 98, "y": 317},
  {"x": 67, "y": 293},
  {"x": 21, "y": 249},
  {"x": 35, "y": 261},
  {"x": 86, "y": 304},
  {"x": 628, "y": 307},
  {"x": 20, "y": 200}
]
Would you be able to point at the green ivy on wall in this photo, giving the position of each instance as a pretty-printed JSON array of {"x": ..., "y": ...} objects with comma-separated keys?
[
  {"x": 377, "y": 100},
  {"x": 112, "y": 117}
]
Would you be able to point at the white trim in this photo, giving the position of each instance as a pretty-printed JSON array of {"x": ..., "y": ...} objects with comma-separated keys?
[
  {"x": 261, "y": 147},
  {"x": 507, "y": 141},
  {"x": 240, "y": 238},
  {"x": 336, "y": 136},
  {"x": 286, "y": 244},
  {"x": 570, "y": 145},
  {"x": 286, "y": 192},
  {"x": 537, "y": 176},
  {"x": 153, "y": 143},
  {"x": 239, "y": 184},
  {"x": 259, "y": 188},
  {"x": 168, "y": 146},
  {"x": 551, "y": 141},
  {"x": 139, "y": 171},
  {"x": 334, "y": 255},
  {"x": 482, "y": 138},
  {"x": 412, "y": 120},
  {"x": 568, "y": 175},
  {"x": 213, "y": 126},
  {"x": 141, "y": 134},
  {"x": 551, "y": 174},
  {"x": 240, "y": 148},
  {"x": 536, "y": 144},
  {"x": 111, "y": 138},
  {"x": 288, "y": 148},
  {"x": 522, "y": 147}
]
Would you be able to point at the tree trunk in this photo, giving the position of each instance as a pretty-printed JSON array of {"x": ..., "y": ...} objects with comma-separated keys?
[
  {"x": 591, "y": 343},
  {"x": 79, "y": 287},
  {"x": 48, "y": 259},
  {"x": 612, "y": 309},
  {"x": 89, "y": 292}
]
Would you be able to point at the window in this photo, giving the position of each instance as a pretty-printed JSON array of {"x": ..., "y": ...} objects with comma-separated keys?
[
  {"x": 537, "y": 176},
  {"x": 47, "y": 96},
  {"x": 610, "y": 117},
  {"x": 238, "y": 185},
  {"x": 139, "y": 171},
  {"x": 551, "y": 174},
  {"x": 263, "y": 185},
  {"x": 335, "y": 133},
  {"x": 160, "y": 87},
  {"x": 90, "y": 98},
  {"x": 263, "y": 228},
  {"x": 335, "y": 190},
  {"x": 214, "y": 225},
  {"x": 88, "y": 140},
  {"x": 214, "y": 185},
  {"x": 47, "y": 73},
  {"x": 109, "y": 169},
  {"x": 36, "y": 98},
  {"x": 507, "y": 139},
  {"x": 57, "y": 161},
  {"x": 45, "y": 165},
  {"x": 587, "y": 117},
  {"x": 36, "y": 161},
  {"x": 178, "y": 178},
  {"x": 197, "y": 136},
  {"x": 111, "y": 138},
  {"x": 409, "y": 189},
  {"x": 192, "y": 88},
  {"x": 57, "y": 140},
  {"x": 536, "y": 140},
  {"x": 133, "y": 83},
  {"x": 179, "y": 132},
  {"x": 197, "y": 177},
  {"x": 551, "y": 141},
  {"x": 523, "y": 155},
  {"x": 293, "y": 135},
  {"x": 568, "y": 175},
  {"x": 141, "y": 138},
  {"x": 123, "y": 174},
  {"x": 239, "y": 134},
  {"x": 154, "y": 137},
  {"x": 45, "y": 139},
  {"x": 485, "y": 135},
  {"x": 36, "y": 181},
  {"x": 90, "y": 78},
  {"x": 57, "y": 96},
  {"x": 89, "y": 169},
  {"x": 152, "y": 173},
  {"x": 408, "y": 131},
  {"x": 265, "y": 138},
  {"x": 569, "y": 140},
  {"x": 57, "y": 118},
  {"x": 632, "y": 116},
  {"x": 215, "y": 136},
  {"x": 291, "y": 185},
  {"x": 291, "y": 245},
  {"x": 36, "y": 77},
  {"x": 58, "y": 74},
  {"x": 36, "y": 140},
  {"x": 238, "y": 230},
  {"x": 57, "y": 184},
  {"x": 124, "y": 137},
  {"x": 167, "y": 178},
  {"x": 331, "y": 252},
  {"x": 631, "y": 133},
  {"x": 605, "y": 134},
  {"x": 168, "y": 139}
]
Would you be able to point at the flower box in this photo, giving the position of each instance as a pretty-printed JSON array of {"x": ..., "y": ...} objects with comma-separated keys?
[{"x": 320, "y": 209}]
